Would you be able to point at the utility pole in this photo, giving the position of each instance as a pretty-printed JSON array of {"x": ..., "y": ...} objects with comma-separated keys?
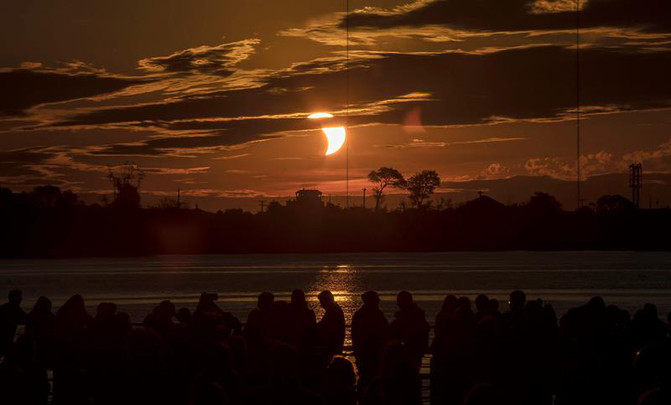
[
  {"x": 263, "y": 205},
  {"x": 364, "y": 198},
  {"x": 179, "y": 198}
]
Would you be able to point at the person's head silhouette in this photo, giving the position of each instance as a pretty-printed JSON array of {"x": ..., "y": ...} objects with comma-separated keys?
[
  {"x": 15, "y": 297},
  {"x": 482, "y": 303},
  {"x": 265, "y": 301},
  {"x": 298, "y": 297},
  {"x": 449, "y": 303},
  {"x": 341, "y": 372},
  {"x": 326, "y": 299},
  {"x": 517, "y": 300},
  {"x": 651, "y": 310},
  {"x": 370, "y": 298},
  {"x": 43, "y": 304},
  {"x": 404, "y": 300},
  {"x": 184, "y": 316}
]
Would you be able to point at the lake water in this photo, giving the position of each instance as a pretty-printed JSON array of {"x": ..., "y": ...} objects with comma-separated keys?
[{"x": 564, "y": 279}]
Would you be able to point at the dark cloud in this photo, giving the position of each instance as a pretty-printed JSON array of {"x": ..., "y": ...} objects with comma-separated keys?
[
  {"x": 22, "y": 89},
  {"x": 216, "y": 60},
  {"x": 22, "y": 162},
  {"x": 530, "y": 83},
  {"x": 180, "y": 145},
  {"x": 522, "y": 15},
  {"x": 521, "y": 84}
]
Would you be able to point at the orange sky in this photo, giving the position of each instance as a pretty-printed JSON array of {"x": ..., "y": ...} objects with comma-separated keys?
[{"x": 212, "y": 97}]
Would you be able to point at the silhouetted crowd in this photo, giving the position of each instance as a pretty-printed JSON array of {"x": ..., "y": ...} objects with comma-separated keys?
[{"x": 595, "y": 354}]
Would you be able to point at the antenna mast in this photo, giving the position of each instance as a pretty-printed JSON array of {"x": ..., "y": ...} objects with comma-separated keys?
[
  {"x": 347, "y": 103},
  {"x": 577, "y": 92}
]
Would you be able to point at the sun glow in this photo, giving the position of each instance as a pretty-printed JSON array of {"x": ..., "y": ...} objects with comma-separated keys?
[
  {"x": 319, "y": 115},
  {"x": 335, "y": 137}
]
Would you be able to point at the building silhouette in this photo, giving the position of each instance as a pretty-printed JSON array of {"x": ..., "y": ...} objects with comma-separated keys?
[{"x": 307, "y": 199}]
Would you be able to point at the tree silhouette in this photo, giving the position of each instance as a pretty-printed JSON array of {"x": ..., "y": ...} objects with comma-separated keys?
[
  {"x": 421, "y": 186},
  {"x": 382, "y": 178},
  {"x": 543, "y": 204},
  {"x": 51, "y": 196},
  {"x": 126, "y": 183},
  {"x": 614, "y": 203}
]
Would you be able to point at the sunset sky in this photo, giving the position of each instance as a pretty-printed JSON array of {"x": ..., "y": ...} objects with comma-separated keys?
[{"x": 212, "y": 96}]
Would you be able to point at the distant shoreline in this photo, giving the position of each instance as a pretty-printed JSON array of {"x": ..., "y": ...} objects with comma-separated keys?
[{"x": 50, "y": 223}]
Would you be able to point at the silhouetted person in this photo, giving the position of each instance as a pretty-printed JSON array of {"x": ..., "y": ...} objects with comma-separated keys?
[
  {"x": 494, "y": 307},
  {"x": 282, "y": 383},
  {"x": 464, "y": 302},
  {"x": 41, "y": 320},
  {"x": 23, "y": 379},
  {"x": 106, "y": 341},
  {"x": 646, "y": 327},
  {"x": 258, "y": 322},
  {"x": 410, "y": 326},
  {"x": 212, "y": 321},
  {"x": 331, "y": 327},
  {"x": 11, "y": 316},
  {"x": 596, "y": 362},
  {"x": 41, "y": 327},
  {"x": 208, "y": 393},
  {"x": 446, "y": 314},
  {"x": 162, "y": 318},
  {"x": 398, "y": 381},
  {"x": 655, "y": 397},
  {"x": 482, "y": 306},
  {"x": 370, "y": 332},
  {"x": 338, "y": 386},
  {"x": 144, "y": 373},
  {"x": 514, "y": 322},
  {"x": 184, "y": 316},
  {"x": 280, "y": 327},
  {"x": 303, "y": 320},
  {"x": 454, "y": 363},
  {"x": 482, "y": 394},
  {"x": 70, "y": 376},
  {"x": 597, "y": 355}
]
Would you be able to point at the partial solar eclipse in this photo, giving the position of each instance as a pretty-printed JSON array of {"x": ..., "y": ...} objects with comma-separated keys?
[{"x": 335, "y": 136}]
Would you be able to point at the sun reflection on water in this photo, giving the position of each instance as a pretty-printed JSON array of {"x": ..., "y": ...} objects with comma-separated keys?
[{"x": 344, "y": 281}]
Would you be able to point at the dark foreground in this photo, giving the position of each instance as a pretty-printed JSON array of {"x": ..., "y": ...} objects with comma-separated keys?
[
  {"x": 48, "y": 222},
  {"x": 594, "y": 354}
]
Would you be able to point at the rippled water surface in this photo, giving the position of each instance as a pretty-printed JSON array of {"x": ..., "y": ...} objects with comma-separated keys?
[{"x": 564, "y": 279}]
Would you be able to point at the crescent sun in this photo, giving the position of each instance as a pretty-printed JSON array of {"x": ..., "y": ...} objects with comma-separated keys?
[{"x": 335, "y": 136}]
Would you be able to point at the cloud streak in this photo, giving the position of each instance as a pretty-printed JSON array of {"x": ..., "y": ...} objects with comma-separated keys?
[
  {"x": 23, "y": 89},
  {"x": 521, "y": 15},
  {"x": 217, "y": 60}
]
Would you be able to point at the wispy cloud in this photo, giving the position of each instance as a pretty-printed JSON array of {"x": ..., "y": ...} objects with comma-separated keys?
[
  {"x": 214, "y": 60},
  {"x": 422, "y": 143}
]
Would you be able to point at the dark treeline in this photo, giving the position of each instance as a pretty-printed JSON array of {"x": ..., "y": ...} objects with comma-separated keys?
[
  {"x": 49, "y": 222},
  {"x": 282, "y": 355}
]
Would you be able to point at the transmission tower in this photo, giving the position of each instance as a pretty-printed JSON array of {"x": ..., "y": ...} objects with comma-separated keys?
[{"x": 636, "y": 182}]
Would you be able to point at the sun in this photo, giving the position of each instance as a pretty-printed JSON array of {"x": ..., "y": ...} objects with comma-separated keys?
[
  {"x": 319, "y": 115},
  {"x": 335, "y": 136}
]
